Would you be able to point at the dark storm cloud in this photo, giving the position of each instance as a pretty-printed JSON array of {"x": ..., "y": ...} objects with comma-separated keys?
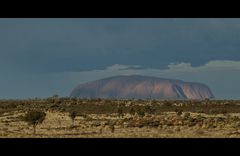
[{"x": 47, "y": 46}]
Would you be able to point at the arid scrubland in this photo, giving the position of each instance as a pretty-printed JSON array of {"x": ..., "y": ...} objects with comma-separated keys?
[{"x": 104, "y": 118}]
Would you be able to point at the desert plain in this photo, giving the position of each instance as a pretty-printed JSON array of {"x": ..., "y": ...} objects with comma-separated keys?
[{"x": 105, "y": 118}]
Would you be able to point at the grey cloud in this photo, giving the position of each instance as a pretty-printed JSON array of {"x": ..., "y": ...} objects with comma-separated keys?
[{"x": 221, "y": 75}]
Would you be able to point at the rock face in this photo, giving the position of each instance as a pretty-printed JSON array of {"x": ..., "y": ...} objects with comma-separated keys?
[{"x": 141, "y": 87}]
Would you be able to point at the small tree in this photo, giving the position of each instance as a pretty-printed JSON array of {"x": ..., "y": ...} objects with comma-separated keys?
[
  {"x": 73, "y": 115},
  {"x": 112, "y": 128},
  {"x": 101, "y": 130},
  {"x": 120, "y": 112},
  {"x": 34, "y": 118},
  {"x": 132, "y": 111},
  {"x": 187, "y": 115},
  {"x": 178, "y": 112},
  {"x": 141, "y": 112},
  {"x": 150, "y": 109}
]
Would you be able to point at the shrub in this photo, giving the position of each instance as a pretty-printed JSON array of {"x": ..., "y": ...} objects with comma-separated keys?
[
  {"x": 120, "y": 112},
  {"x": 141, "y": 112},
  {"x": 186, "y": 115},
  {"x": 223, "y": 111},
  {"x": 132, "y": 111},
  {"x": 112, "y": 128},
  {"x": 73, "y": 115},
  {"x": 167, "y": 104},
  {"x": 212, "y": 111},
  {"x": 34, "y": 118},
  {"x": 83, "y": 115},
  {"x": 178, "y": 112},
  {"x": 150, "y": 109},
  {"x": 101, "y": 130},
  {"x": 199, "y": 132}
]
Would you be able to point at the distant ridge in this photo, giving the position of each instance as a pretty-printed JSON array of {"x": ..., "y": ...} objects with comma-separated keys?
[{"x": 141, "y": 87}]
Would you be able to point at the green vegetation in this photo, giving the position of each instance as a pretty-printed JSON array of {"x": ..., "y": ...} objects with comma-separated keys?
[{"x": 34, "y": 118}]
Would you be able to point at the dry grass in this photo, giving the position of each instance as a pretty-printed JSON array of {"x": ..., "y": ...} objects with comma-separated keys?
[
  {"x": 58, "y": 125},
  {"x": 100, "y": 119}
]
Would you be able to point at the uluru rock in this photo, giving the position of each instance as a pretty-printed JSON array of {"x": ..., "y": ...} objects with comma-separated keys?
[{"x": 141, "y": 87}]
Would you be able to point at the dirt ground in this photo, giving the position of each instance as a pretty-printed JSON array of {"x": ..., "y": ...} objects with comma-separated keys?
[{"x": 167, "y": 125}]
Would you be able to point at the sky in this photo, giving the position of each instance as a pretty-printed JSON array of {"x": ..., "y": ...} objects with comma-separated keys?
[{"x": 42, "y": 57}]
